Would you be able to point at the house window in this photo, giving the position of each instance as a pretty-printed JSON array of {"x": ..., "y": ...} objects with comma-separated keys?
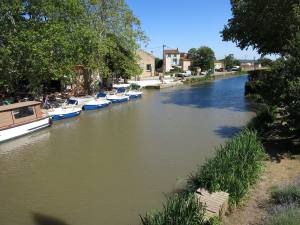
[
  {"x": 175, "y": 55},
  {"x": 23, "y": 112},
  {"x": 169, "y": 55},
  {"x": 148, "y": 67},
  {"x": 175, "y": 61}
]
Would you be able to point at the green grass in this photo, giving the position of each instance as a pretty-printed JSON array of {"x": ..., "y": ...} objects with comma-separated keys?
[
  {"x": 178, "y": 210},
  {"x": 235, "y": 167},
  {"x": 197, "y": 79}
]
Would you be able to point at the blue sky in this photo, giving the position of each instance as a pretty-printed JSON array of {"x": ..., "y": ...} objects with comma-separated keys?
[{"x": 185, "y": 24}]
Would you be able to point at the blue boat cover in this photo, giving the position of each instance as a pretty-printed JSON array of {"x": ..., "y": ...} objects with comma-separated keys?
[
  {"x": 72, "y": 102},
  {"x": 121, "y": 90},
  {"x": 101, "y": 95}
]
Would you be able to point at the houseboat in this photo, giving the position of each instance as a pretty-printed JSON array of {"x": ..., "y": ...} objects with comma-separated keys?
[{"x": 21, "y": 118}]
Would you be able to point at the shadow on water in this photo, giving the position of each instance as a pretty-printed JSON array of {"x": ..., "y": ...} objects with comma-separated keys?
[
  {"x": 227, "y": 131},
  {"x": 41, "y": 219},
  {"x": 221, "y": 94}
]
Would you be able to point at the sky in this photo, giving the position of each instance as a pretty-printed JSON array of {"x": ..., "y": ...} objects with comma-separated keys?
[{"x": 187, "y": 24}]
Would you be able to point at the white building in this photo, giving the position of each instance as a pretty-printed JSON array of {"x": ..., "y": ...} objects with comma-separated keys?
[{"x": 171, "y": 59}]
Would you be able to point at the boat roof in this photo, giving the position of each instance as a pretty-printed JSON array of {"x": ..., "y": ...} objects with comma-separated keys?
[{"x": 18, "y": 105}]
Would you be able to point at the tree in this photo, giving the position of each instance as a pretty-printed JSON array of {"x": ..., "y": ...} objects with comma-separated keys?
[
  {"x": 265, "y": 62},
  {"x": 272, "y": 26},
  {"x": 158, "y": 63},
  {"x": 36, "y": 42},
  {"x": 230, "y": 61},
  {"x": 269, "y": 26},
  {"x": 44, "y": 40},
  {"x": 202, "y": 57}
]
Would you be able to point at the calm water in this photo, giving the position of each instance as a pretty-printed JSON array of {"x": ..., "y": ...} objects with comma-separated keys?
[{"x": 107, "y": 167}]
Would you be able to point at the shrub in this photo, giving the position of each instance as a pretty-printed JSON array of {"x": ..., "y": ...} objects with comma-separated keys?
[
  {"x": 235, "y": 167},
  {"x": 287, "y": 195},
  {"x": 179, "y": 210},
  {"x": 263, "y": 119},
  {"x": 287, "y": 217}
]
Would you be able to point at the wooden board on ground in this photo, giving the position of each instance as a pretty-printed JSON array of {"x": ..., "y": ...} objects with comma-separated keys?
[{"x": 216, "y": 203}]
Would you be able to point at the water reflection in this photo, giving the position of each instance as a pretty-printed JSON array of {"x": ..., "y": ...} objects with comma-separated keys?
[
  {"x": 227, "y": 131},
  {"x": 22, "y": 143},
  {"x": 221, "y": 94}
]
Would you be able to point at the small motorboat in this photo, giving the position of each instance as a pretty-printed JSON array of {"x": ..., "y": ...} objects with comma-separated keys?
[
  {"x": 78, "y": 101},
  {"x": 63, "y": 113},
  {"x": 96, "y": 104},
  {"x": 134, "y": 91},
  {"x": 116, "y": 97},
  {"x": 20, "y": 119}
]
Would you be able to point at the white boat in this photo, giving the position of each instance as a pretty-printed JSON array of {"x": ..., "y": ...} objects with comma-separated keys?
[
  {"x": 134, "y": 93},
  {"x": 96, "y": 104},
  {"x": 63, "y": 113},
  {"x": 20, "y": 119},
  {"x": 114, "y": 98},
  {"x": 117, "y": 98},
  {"x": 78, "y": 101}
]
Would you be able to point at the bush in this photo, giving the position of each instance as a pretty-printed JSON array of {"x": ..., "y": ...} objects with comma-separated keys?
[
  {"x": 179, "y": 210},
  {"x": 235, "y": 167},
  {"x": 287, "y": 195},
  {"x": 287, "y": 217},
  {"x": 263, "y": 120}
]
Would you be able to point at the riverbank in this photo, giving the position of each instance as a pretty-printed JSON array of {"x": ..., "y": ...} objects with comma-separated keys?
[
  {"x": 215, "y": 76},
  {"x": 255, "y": 209}
]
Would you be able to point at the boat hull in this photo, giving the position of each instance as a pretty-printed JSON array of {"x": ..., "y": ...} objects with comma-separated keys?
[
  {"x": 94, "y": 107},
  {"x": 21, "y": 130},
  {"x": 65, "y": 116},
  {"x": 118, "y": 100}
]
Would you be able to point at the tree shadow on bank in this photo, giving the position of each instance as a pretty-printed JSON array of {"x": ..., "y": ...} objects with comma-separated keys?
[
  {"x": 227, "y": 131},
  {"x": 41, "y": 219},
  {"x": 279, "y": 149}
]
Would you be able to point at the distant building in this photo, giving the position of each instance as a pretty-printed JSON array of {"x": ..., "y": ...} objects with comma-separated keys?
[
  {"x": 147, "y": 63},
  {"x": 185, "y": 62},
  {"x": 219, "y": 65},
  {"x": 172, "y": 58}
]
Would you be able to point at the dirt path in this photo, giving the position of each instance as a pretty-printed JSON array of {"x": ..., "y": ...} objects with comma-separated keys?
[{"x": 255, "y": 208}]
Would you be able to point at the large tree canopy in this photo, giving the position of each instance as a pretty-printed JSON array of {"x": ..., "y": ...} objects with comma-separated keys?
[
  {"x": 42, "y": 40},
  {"x": 202, "y": 57},
  {"x": 272, "y": 26},
  {"x": 269, "y": 26}
]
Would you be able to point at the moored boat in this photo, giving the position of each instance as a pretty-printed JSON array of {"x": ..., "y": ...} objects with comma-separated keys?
[
  {"x": 20, "y": 119},
  {"x": 63, "y": 113},
  {"x": 78, "y": 101},
  {"x": 134, "y": 94},
  {"x": 96, "y": 104},
  {"x": 114, "y": 98}
]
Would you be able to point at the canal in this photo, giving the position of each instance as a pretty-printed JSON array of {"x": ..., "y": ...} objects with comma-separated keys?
[{"x": 107, "y": 167}]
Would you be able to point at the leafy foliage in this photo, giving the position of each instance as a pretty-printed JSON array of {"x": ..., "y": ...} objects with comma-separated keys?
[
  {"x": 202, "y": 57},
  {"x": 44, "y": 40},
  {"x": 230, "y": 61},
  {"x": 270, "y": 26},
  {"x": 234, "y": 169}
]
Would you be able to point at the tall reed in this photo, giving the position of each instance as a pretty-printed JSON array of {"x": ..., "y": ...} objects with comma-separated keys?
[
  {"x": 179, "y": 210},
  {"x": 235, "y": 167}
]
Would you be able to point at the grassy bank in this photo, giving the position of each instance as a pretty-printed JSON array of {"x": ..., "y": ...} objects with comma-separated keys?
[
  {"x": 191, "y": 80},
  {"x": 235, "y": 167}
]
